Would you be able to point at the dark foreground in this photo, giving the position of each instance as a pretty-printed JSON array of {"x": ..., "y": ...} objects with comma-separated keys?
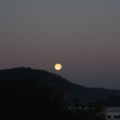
[{"x": 24, "y": 100}]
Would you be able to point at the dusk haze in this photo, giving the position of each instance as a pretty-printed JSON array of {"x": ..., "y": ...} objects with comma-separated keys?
[
  {"x": 82, "y": 35},
  {"x": 59, "y": 59}
]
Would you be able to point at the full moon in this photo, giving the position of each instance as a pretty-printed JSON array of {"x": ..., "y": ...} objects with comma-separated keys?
[{"x": 58, "y": 67}]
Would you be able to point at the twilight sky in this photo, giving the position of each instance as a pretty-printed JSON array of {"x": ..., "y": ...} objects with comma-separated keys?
[{"x": 83, "y": 35}]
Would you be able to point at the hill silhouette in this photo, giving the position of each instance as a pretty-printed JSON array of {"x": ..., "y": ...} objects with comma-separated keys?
[{"x": 68, "y": 89}]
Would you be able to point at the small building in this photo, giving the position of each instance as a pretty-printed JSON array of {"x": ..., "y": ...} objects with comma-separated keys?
[{"x": 112, "y": 113}]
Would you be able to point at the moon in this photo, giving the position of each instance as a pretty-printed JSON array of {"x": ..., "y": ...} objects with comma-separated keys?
[{"x": 58, "y": 66}]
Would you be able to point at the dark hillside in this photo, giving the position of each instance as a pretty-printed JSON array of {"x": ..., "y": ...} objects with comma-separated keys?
[{"x": 43, "y": 78}]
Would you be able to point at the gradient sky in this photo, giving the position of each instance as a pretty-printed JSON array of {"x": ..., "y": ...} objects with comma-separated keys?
[{"x": 83, "y": 35}]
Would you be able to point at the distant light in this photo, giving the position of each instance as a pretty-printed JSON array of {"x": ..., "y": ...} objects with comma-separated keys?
[{"x": 58, "y": 66}]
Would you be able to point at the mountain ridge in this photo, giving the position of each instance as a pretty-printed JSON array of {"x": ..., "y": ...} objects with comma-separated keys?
[{"x": 71, "y": 90}]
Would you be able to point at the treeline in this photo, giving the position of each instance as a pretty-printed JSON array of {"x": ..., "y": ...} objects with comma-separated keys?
[
  {"x": 90, "y": 111},
  {"x": 24, "y": 100}
]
